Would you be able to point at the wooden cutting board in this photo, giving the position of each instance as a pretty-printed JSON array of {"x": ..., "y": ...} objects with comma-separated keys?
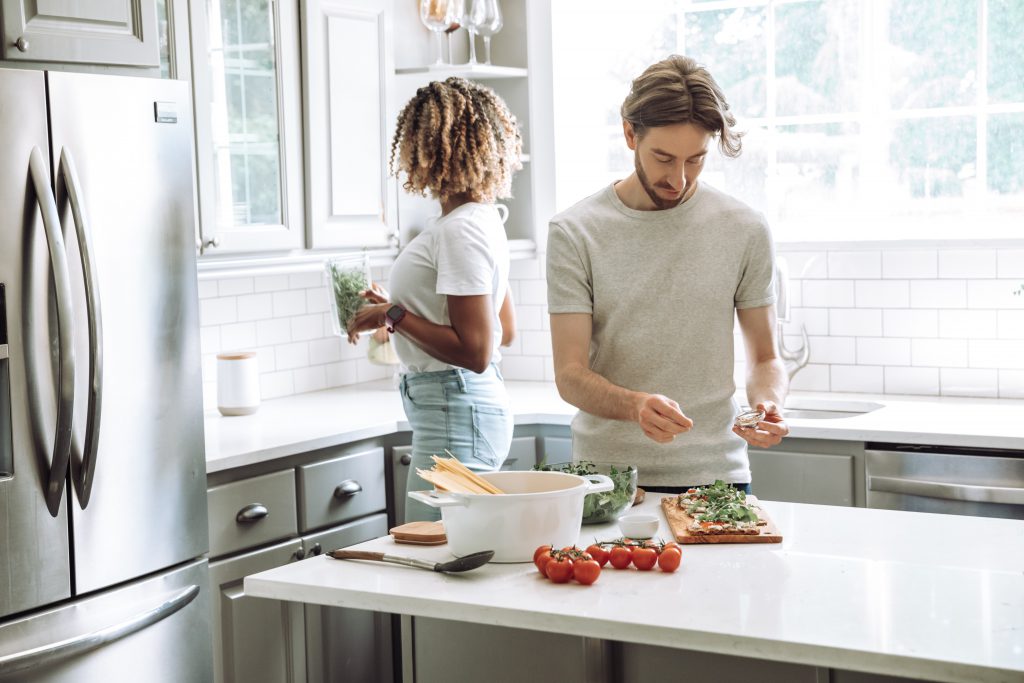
[{"x": 679, "y": 522}]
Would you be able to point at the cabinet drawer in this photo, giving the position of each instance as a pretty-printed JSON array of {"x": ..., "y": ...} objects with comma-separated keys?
[
  {"x": 247, "y": 513},
  {"x": 365, "y": 529},
  {"x": 341, "y": 489}
]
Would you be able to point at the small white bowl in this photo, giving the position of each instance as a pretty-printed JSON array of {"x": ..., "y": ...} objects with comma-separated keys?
[{"x": 639, "y": 526}]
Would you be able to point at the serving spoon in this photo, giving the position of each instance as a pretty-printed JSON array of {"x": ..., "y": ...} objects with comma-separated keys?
[{"x": 459, "y": 564}]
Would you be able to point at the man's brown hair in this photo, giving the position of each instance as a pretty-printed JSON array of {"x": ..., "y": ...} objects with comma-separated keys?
[{"x": 679, "y": 90}]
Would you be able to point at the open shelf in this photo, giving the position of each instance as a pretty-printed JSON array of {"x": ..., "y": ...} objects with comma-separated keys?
[{"x": 470, "y": 71}]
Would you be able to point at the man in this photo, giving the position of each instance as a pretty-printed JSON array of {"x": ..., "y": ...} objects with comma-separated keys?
[{"x": 644, "y": 280}]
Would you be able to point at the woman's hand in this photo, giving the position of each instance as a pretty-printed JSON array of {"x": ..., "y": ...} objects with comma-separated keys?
[
  {"x": 369, "y": 317},
  {"x": 375, "y": 294}
]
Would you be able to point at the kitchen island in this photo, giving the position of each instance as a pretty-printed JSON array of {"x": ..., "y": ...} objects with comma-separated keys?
[{"x": 929, "y": 597}]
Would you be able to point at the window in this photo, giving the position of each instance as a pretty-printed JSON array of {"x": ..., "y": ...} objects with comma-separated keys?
[{"x": 889, "y": 119}]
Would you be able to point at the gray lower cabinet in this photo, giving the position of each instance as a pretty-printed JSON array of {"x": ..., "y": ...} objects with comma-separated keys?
[
  {"x": 334, "y": 499},
  {"x": 816, "y": 471},
  {"x": 113, "y": 32}
]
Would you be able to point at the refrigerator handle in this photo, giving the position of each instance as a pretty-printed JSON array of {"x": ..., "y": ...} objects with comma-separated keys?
[
  {"x": 65, "y": 350},
  {"x": 82, "y": 477},
  {"x": 53, "y": 652}
]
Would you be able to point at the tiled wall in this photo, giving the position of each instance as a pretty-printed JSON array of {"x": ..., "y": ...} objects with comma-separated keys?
[
  {"x": 285, "y": 319},
  {"x": 935, "y": 322},
  {"x": 932, "y": 322}
]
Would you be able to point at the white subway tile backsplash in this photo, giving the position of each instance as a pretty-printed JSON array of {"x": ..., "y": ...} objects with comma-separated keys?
[
  {"x": 1010, "y": 324},
  {"x": 306, "y": 327},
  {"x": 1010, "y": 263},
  {"x": 1001, "y": 354},
  {"x": 312, "y": 378},
  {"x": 255, "y": 307},
  {"x": 209, "y": 339},
  {"x": 1011, "y": 384},
  {"x": 995, "y": 294},
  {"x": 289, "y": 356},
  {"x": 882, "y": 293},
  {"x": 274, "y": 331},
  {"x": 276, "y": 384},
  {"x": 910, "y": 323},
  {"x": 828, "y": 294},
  {"x": 806, "y": 264},
  {"x": 323, "y": 351},
  {"x": 533, "y": 292},
  {"x": 812, "y": 377},
  {"x": 856, "y": 378},
  {"x": 529, "y": 318},
  {"x": 317, "y": 301},
  {"x": 814, "y": 319},
  {"x": 368, "y": 372},
  {"x": 962, "y": 324},
  {"x": 969, "y": 382},
  {"x": 526, "y": 269},
  {"x": 290, "y": 302},
  {"x": 536, "y": 343},
  {"x": 270, "y": 283},
  {"x": 833, "y": 350},
  {"x": 855, "y": 322},
  {"x": 899, "y": 263},
  {"x": 939, "y": 353},
  {"x": 920, "y": 381},
  {"x": 938, "y": 294},
  {"x": 306, "y": 280},
  {"x": 530, "y": 368},
  {"x": 266, "y": 359},
  {"x": 341, "y": 374},
  {"x": 235, "y": 286},
  {"x": 217, "y": 311},
  {"x": 967, "y": 263},
  {"x": 883, "y": 351},
  {"x": 238, "y": 336},
  {"x": 854, "y": 264},
  {"x": 208, "y": 289}
]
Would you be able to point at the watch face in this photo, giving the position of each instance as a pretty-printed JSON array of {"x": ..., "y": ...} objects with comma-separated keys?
[{"x": 394, "y": 313}]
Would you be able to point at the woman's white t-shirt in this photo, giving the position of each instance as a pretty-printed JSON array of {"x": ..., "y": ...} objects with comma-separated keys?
[{"x": 464, "y": 253}]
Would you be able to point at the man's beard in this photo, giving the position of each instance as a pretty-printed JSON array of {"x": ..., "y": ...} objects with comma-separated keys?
[{"x": 659, "y": 202}]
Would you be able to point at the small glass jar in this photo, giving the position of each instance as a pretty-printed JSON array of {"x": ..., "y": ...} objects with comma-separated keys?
[{"x": 238, "y": 383}]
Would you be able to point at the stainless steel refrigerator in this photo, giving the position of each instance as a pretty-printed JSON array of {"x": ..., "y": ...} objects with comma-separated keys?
[{"x": 102, "y": 473}]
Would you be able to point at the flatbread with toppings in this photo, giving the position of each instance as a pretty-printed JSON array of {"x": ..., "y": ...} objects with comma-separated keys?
[{"x": 718, "y": 513}]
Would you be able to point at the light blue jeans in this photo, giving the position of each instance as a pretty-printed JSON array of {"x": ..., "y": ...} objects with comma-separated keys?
[{"x": 459, "y": 411}]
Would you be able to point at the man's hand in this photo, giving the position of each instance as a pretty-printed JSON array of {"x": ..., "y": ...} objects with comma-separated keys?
[
  {"x": 660, "y": 418},
  {"x": 768, "y": 432}
]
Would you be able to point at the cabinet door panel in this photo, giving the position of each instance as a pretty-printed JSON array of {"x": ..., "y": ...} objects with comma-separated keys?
[
  {"x": 256, "y": 640},
  {"x": 522, "y": 455},
  {"x": 347, "y": 75},
  {"x": 802, "y": 477},
  {"x": 401, "y": 458},
  {"x": 81, "y": 32}
]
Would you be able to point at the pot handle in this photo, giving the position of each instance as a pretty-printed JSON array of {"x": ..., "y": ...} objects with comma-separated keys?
[
  {"x": 598, "y": 483},
  {"x": 437, "y": 499}
]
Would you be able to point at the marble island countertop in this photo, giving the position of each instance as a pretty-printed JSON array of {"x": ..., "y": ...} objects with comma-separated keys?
[
  {"x": 906, "y": 594},
  {"x": 306, "y": 422}
]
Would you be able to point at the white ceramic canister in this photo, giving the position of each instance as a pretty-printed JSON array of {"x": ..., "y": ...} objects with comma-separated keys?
[{"x": 238, "y": 383}]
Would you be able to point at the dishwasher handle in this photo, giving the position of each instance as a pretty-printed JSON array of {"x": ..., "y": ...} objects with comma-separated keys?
[{"x": 946, "y": 491}]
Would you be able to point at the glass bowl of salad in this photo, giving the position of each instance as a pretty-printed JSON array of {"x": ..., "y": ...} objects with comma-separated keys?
[{"x": 599, "y": 508}]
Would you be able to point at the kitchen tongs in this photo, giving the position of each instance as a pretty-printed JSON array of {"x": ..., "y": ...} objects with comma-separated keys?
[{"x": 459, "y": 564}]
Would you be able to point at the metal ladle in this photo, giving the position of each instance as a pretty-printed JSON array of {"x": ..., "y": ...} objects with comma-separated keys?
[{"x": 459, "y": 564}]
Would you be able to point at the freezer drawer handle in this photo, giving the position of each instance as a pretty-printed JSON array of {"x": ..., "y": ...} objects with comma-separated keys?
[
  {"x": 65, "y": 351},
  {"x": 47, "y": 654},
  {"x": 347, "y": 489},
  {"x": 86, "y": 454},
  {"x": 253, "y": 512},
  {"x": 936, "y": 489}
]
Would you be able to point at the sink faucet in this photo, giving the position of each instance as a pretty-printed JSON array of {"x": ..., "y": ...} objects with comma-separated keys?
[{"x": 794, "y": 359}]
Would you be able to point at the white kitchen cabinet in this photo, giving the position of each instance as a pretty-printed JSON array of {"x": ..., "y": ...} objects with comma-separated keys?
[
  {"x": 524, "y": 40},
  {"x": 108, "y": 32},
  {"x": 246, "y": 91},
  {"x": 347, "y": 72}
]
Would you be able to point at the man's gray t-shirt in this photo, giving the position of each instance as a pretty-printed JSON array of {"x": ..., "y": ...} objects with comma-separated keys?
[{"x": 662, "y": 287}]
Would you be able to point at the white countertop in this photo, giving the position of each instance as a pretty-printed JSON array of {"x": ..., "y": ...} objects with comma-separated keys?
[
  {"x": 305, "y": 422},
  {"x": 899, "y": 593}
]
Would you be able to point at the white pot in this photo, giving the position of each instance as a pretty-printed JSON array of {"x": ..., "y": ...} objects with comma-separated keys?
[{"x": 536, "y": 508}]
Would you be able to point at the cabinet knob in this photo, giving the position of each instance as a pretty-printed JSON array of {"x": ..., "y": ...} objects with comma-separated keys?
[
  {"x": 406, "y": 459},
  {"x": 315, "y": 550},
  {"x": 253, "y": 512},
  {"x": 347, "y": 489},
  {"x": 21, "y": 44}
]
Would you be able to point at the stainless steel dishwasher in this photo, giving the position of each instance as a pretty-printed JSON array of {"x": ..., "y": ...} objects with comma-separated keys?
[{"x": 983, "y": 482}]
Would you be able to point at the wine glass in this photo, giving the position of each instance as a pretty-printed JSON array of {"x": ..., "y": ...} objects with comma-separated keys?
[
  {"x": 438, "y": 15},
  {"x": 458, "y": 11},
  {"x": 486, "y": 20}
]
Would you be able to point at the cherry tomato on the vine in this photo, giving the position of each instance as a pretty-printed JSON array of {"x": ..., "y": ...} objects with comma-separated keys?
[
  {"x": 620, "y": 557},
  {"x": 599, "y": 554},
  {"x": 540, "y": 550},
  {"x": 644, "y": 558},
  {"x": 586, "y": 571},
  {"x": 559, "y": 569},
  {"x": 669, "y": 559}
]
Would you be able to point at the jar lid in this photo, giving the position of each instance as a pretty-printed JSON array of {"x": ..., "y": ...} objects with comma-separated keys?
[{"x": 236, "y": 355}]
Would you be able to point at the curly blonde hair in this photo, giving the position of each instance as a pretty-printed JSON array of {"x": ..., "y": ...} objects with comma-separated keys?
[{"x": 457, "y": 138}]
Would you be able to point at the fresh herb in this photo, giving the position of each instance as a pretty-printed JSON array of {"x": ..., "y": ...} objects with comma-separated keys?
[
  {"x": 719, "y": 502},
  {"x": 606, "y": 505},
  {"x": 346, "y": 283}
]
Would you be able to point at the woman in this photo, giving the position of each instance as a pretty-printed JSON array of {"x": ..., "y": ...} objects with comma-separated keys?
[{"x": 450, "y": 306}]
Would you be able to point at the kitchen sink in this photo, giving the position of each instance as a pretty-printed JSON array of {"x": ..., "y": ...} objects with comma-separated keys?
[{"x": 827, "y": 409}]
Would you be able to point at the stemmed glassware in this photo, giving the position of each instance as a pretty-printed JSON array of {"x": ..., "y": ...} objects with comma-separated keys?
[
  {"x": 458, "y": 11},
  {"x": 483, "y": 18},
  {"x": 438, "y": 16}
]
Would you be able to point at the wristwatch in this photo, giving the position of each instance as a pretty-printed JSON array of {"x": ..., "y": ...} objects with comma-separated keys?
[{"x": 393, "y": 316}]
